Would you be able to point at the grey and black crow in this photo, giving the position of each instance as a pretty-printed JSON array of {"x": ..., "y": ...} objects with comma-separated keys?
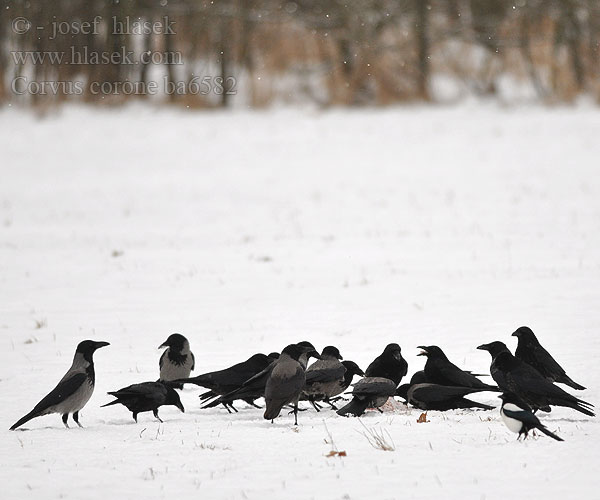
[
  {"x": 368, "y": 392},
  {"x": 325, "y": 378},
  {"x": 531, "y": 352},
  {"x": 390, "y": 364},
  {"x": 73, "y": 391},
  {"x": 177, "y": 361},
  {"x": 516, "y": 376},
  {"x": 305, "y": 356},
  {"x": 427, "y": 396},
  {"x": 147, "y": 396},
  {"x": 254, "y": 387},
  {"x": 286, "y": 381},
  {"x": 224, "y": 381},
  {"x": 439, "y": 370},
  {"x": 518, "y": 417}
]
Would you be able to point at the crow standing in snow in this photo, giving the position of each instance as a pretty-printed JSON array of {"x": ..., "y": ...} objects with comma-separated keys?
[
  {"x": 177, "y": 361},
  {"x": 286, "y": 381},
  {"x": 531, "y": 352},
  {"x": 225, "y": 381},
  {"x": 439, "y": 370},
  {"x": 513, "y": 375},
  {"x": 324, "y": 378},
  {"x": 427, "y": 396},
  {"x": 73, "y": 391},
  {"x": 518, "y": 417},
  {"x": 147, "y": 396},
  {"x": 254, "y": 387},
  {"x": 390, "y": 364},
  {"x": 369, "y": 392}
]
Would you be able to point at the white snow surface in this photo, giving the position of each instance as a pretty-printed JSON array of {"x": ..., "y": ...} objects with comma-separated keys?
[{"x": 247, "y": 231}]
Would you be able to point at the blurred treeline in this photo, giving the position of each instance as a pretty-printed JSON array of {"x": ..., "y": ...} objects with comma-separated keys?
[{"x": 330, "y": 52}]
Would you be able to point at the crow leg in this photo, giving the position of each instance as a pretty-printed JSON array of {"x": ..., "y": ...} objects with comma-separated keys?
[
  {"x": 233, "y": 408},
  {"x": 315, "y": 405},
  {"x": 155, "y": 412},
  {"x": 330, "y": 403},
  {"x": 227, "y": 407},
  {"x": 76, "y": 418},
  {"x": 135, "y": 416},
  {"x": 379, "y": 410},
  {"x": 64, "y": 419},
  {"x": 296, "y": 414}
]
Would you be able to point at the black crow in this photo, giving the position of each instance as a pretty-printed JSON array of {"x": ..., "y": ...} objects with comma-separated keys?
[
  {"x": 427, "y": 396},
  {"x": 177, "y": 361},
  {"x": 390, "y": 364},
  {"x": 223, "y": 381},
  {"x": 439, "y": 370},
  {"x": 518, "y": 417},
  {"x": 286, "y": 381},
  {"x": 147, "y": 396},
  {"x": 73, "y": 391},
  {"x": 531, "y": 352},
  {"x": 369, "y": 392},
  {"x": 324, "y": 378},
  {"x": 516, "y": 376},
  {"x": 254, "y": 387}
]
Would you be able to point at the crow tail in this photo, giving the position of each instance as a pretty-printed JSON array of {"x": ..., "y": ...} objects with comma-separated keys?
[{"x": 355, "y": 407}]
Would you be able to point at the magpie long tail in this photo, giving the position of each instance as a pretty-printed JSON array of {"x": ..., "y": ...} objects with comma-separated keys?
[{"x": 541, "y": 428}]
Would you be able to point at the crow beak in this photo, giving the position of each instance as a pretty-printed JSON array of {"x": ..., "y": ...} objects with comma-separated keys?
[
  {"x": 483, "y": 347},
  {"x": 423, "y": 352},
  {"x": 340, "y": 357},
  {"x": 98, "y": 345},
  {"x": 514, "y": 334},
  {"x": 180, "y": 406},
  {"x": 314, "y": 354},
  {"x": 164, "y": 344},
  {"x": 360, "y": 373}
]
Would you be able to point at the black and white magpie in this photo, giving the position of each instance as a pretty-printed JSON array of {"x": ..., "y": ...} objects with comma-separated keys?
[
  {"x": 177, "y": 361},
  {"x": 73, "y": 391},
  {"x": 519, "y": 418}
]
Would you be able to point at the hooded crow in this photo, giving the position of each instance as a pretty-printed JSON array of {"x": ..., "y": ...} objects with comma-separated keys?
[
  {"x": 254, "y": 387},
  {"x": 325, "y": 377},
  {"x": 439, "y": 370},
  {"x": 73, "y": 391},
  {"x": 513, "y": 375},
  {"x": 224, "y": 381},
  {"x": 368, "y": 392},
  {"x": 177, "y": 361},
  {"x": 518, "y": 417},
  {"x": 147, "y": 396},
  {"x": 351, "y": 369},
  {"x": 531, "y": 352},
  {"x": 390, "y": 364},
  {"x": 427, "y": 396},
  {"x": 286, "y": 381},
  {"x": 304, "y": 357}
]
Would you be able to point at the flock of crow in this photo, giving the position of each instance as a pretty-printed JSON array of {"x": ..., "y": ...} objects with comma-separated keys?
[{"x": 525, "y": 379}]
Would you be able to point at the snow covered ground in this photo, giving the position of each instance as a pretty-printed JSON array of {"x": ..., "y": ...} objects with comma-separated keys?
[{"x": 248, "y": 231}]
